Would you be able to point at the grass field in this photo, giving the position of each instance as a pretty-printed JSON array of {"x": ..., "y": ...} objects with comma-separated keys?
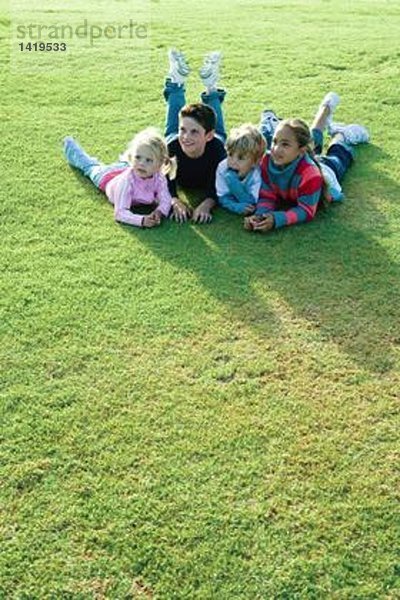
[{"x": 196, "y": 412}]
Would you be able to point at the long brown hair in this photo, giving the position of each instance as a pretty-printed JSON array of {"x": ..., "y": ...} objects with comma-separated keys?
[{"x": 302, "y": 133}]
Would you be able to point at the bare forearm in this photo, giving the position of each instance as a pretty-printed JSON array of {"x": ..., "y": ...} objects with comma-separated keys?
[{"x": 207, "y": 204}]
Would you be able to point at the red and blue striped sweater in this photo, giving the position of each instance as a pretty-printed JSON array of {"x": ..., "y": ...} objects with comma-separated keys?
[{"x": 291, "y": 194}]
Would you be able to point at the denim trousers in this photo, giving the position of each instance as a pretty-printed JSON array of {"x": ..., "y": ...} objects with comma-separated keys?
[
  {"x": 338, "y": 157},
  {"x": 174, "y": 95}
]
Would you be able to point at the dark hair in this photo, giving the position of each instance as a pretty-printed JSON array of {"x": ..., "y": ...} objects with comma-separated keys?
[{"x": 203, "y": 114}]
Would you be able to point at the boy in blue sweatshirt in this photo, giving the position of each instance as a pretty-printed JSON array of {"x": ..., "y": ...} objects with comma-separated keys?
[{"x": 238, "y": 177}]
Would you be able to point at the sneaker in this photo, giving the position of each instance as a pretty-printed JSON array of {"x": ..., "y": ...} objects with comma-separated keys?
[
  {"x": 178, "y": 67},
  {"x": 269, "y": 122},
  {"x": 331, "y": 100},
  {"x": 209, "y": 72},
  {"x": 334, "y": 128},
  {"x": 352, "y": 134},
  {"x": 76, "y": 156},
  {"x": 334, "y": 187}
]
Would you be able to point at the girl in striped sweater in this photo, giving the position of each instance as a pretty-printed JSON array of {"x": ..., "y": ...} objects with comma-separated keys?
[{"x": 294, "y": 180}]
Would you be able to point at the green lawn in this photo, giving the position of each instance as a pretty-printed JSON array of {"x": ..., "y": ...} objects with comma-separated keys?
[{"x": 196, "y": 412}]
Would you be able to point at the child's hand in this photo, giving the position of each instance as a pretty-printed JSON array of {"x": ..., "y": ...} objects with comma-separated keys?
[
  {"x": 202, "y": 213},
  {"x": 180, "y": 211},
  {"x": 251, "y": 222},
  {"x": 156, "y": 215},
  {"x": 250, "y": 208},
  {"x": 248, "y": 223},
  {"x": 151, "y": 220},
  {"x": 266, "y": 224}
]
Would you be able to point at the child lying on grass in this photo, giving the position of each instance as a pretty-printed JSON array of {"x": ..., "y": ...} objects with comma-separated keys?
[
  {"x": 238, "y": 178},
  {"x": 137, "y": 179},
  {"x": 295, "y": 176},
  {"x": 195, "y": 134}
]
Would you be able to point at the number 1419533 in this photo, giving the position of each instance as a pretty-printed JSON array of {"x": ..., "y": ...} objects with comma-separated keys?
[{"x": 43, "y": 46}]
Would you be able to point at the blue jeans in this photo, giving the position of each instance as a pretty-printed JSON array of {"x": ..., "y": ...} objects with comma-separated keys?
[
  {"x": 97, "y": 172},
  {"x": 174, "y": 95},
  {"x": 90, "y": 166},
  {"x": 338, "y": 157},
  {"x": 268, "y": 123}
]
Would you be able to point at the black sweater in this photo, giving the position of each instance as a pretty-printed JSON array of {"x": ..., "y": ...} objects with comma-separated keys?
[{"x": 199, "y": 172}]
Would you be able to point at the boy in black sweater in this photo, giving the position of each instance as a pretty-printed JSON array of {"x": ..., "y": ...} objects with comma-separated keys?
[{"x": 195, "y": 135}]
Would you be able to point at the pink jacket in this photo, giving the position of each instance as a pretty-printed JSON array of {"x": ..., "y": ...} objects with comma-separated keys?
[{"x": 127, "y": 190}]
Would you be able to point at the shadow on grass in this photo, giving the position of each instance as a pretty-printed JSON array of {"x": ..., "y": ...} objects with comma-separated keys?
[{"x": 330, "y": 272}]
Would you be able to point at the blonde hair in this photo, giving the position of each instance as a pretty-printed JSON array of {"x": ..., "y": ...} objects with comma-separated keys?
[
  {"x": 304, "y": 139},
  {"x": 153, "y": 139},
  {"x": 246, "y": 140}
]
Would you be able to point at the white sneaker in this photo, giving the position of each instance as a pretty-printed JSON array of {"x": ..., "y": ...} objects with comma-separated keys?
[
  {"x": 334, "y": 187},
  {"x": 334, "y": 128},
  {"x": 269, "y": 122},
  {"x": 178, "y": 67},
  {"x": 331, "y": 100},
  {"x": 352, "y": 134},
  {"x": 209, "y": 72}
]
